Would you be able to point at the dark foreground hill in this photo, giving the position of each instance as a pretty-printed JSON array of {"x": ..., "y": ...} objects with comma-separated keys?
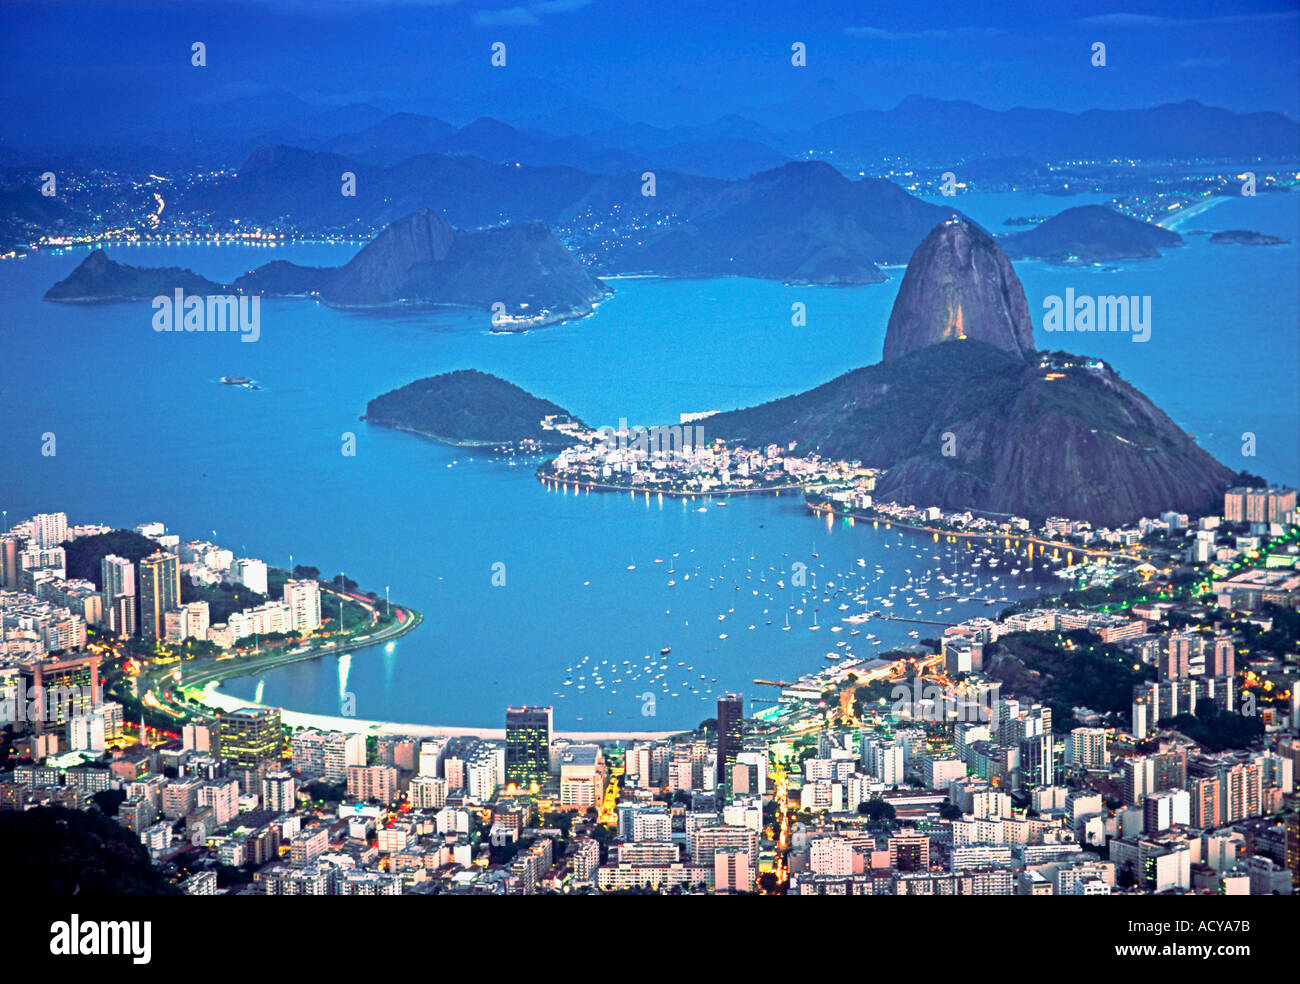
[{"x": 51, "y": 850}]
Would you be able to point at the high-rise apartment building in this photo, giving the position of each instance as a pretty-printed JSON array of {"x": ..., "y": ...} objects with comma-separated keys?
[
  {"x": 49, "y": 529},
  {"x": 118, "y": 576},
  {"x": 302, "y": 598},
  {"x": 160, "y": 592},
  {"x": 278, "y": 792}
]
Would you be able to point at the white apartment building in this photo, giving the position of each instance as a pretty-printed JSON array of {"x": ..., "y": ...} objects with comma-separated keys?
[{"x": 302, "y": 598}]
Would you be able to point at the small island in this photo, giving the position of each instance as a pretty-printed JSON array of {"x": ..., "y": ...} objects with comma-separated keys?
[
  {"x": 468, "y": 408},
  {"x": 1245, "y": 237},
  {"x": 1089, "y": 234},
  {"x": 99, "y": 280}
]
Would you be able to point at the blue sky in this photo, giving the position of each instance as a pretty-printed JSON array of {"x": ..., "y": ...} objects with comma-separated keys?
[{"x": 69, "y": 64}]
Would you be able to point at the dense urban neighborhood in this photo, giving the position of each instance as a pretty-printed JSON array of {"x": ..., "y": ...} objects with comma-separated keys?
[{"x": 1135, "y": 733}]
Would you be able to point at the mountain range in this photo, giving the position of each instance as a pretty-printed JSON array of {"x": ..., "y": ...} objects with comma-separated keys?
[
  {"x": 533, "y": 121},
  {"x": 801, "y": 222}
]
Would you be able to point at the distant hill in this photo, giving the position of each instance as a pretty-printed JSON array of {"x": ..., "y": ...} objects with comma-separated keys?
[
  {"x": 930, "y": 129},
  {"x": 549, "y": 126},
  {"x": 802, "y": 222},
  {"x": 392, "y": 138},
  {"x": 303, "y": 186},
  {"x": 1090, "y": 234},
  {"x": 26, "y": 215},
  {"x": 98, "y": 279},
  {"x": 419, "y": 260},
  {"x": 468, "y": 407},
  {"x": 730, "y": 149}
]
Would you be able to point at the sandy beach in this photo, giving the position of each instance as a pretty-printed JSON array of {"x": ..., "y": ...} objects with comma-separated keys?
[
  {"x": 215, "y": 699},
  {"x": 1175, "y": 219}
]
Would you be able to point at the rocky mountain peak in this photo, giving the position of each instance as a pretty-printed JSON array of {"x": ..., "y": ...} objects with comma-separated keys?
[{"x": 959, "y": 285}]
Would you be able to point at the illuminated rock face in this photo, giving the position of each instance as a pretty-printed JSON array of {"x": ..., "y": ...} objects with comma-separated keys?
[{"x": 959, "y": 285}]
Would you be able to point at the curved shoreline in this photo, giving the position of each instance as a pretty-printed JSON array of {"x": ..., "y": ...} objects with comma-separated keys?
[
  {"x": 216, "y": 672},
  {"x": 821, "y": 510},
  {"x": 301, "y": 719},
  {"x": 209, "y": 679},
  {"x": 1174, "y": 220}
]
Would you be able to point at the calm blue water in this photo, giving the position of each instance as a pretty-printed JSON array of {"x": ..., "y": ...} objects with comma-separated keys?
[{"x": 145, "y": 432}]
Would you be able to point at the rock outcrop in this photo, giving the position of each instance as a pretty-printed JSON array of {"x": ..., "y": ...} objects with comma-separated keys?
[{"x": 959, "y": 285}]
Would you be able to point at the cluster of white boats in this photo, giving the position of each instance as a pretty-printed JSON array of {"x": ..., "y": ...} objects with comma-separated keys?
[{"x": 939, "y": 578}]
